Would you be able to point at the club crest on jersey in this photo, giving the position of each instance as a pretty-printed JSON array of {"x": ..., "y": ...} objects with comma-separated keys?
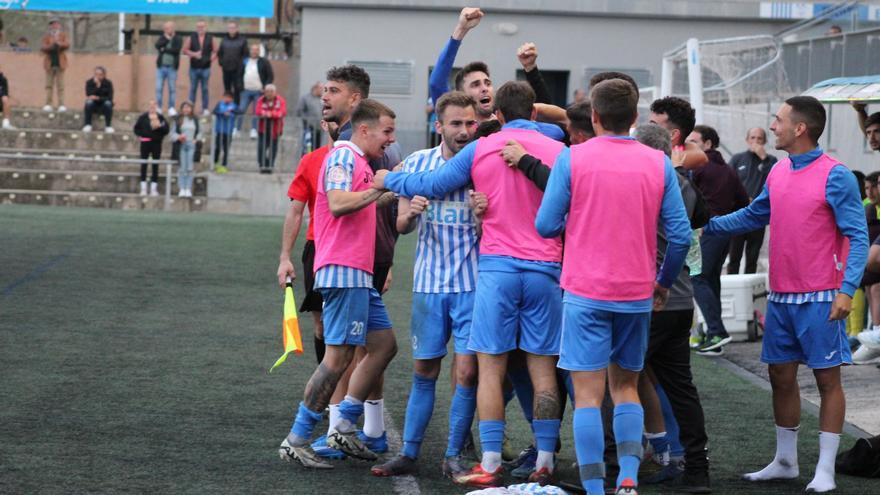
[{"x": 337, "y": 175}]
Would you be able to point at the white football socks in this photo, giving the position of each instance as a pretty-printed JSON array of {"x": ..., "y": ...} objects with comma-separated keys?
[
  {"x": 545, "y": 460},
  {"x": 824, "y": 479},
  {"x": 374, "y": 418},
  {"x": 785, "y": 464},
  {"x": 491, "y": 461},
  {"x": 334, "y": 418}
]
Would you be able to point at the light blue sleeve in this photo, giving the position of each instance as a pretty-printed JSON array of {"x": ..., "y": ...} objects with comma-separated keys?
[
  {"x": 753, "y": 217},
  {"x": 842, "y": 194},
  {"x": 673, "y": 217},
  {"x": 454, "y": 174},
  {"x": 550, "y": 221},
  {"x": 552, "y": 131},
  {"x": 339, "y": 170},
  {"x": 438, "y": 83}
]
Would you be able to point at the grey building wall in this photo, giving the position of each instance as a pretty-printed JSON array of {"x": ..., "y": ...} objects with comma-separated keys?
[{"x": 333, "y": 35}]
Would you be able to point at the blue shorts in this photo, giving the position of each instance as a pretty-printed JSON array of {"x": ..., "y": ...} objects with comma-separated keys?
[
  {"x": 349, "y": 313},
  {"x": 436, "y": 317},
  {"x": 593, "y": 338},
  {"x": 802, "y": 333},
  {"x": 517, "y": 310}
]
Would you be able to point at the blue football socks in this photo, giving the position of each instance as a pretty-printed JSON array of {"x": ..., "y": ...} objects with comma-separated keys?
[
  {"x": 418, "y": 414},
  {"x": 461, "y": 416}
]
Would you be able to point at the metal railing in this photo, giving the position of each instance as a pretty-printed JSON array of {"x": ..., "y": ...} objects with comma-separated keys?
[{"x": 852, "y": 54}]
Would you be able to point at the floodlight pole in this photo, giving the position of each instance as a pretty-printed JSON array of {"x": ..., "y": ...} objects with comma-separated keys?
[{"x": 695, "y": 78}]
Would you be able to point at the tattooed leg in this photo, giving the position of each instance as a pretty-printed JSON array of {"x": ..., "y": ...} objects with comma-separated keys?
[{"x": 323, "y": 381}]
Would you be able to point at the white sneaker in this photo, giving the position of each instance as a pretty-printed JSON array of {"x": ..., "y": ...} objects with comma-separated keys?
[
  {"x": 47, "y": 108},
  {"x": 172, "y": 112},
  {"x": 181, "y": 193},
  {"x": 143, "y": 188},
  {"x": 235, "y": 133},
  {"x": 189, "y": 193},
  {"x": 62, "y": 108},
  {"x": 87, "y": 128},
  {"x": 206, "y": 112},
  {"x": 109, "y": 130},
  {"x": 870, "y": 339},
  {"x": 154, "y": 189},
  {"x": 866, "y": 355},
  {"x": 253, "y": 134},
  {"x": 7, "y": 125},
  {"x": 159, "y": 110}
]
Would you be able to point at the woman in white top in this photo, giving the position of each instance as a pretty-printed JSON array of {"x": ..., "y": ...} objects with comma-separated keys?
[{"x": 184, "y": 135}]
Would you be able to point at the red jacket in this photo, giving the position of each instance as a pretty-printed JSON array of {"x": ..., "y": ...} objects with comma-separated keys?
[{"x": 273, "y": 112}]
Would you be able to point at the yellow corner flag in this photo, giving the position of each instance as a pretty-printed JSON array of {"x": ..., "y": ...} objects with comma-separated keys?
[{"x": 292, "y": 336}]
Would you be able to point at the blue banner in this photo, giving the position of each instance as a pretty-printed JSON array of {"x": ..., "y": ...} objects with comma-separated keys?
[{"x": 227, "y": 8}]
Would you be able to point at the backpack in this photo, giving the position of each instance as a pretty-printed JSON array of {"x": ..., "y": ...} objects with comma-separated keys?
[{"x": 861, "y": 460}]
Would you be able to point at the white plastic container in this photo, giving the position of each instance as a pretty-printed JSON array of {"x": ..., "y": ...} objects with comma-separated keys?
[{"x": 743, "y": 304}]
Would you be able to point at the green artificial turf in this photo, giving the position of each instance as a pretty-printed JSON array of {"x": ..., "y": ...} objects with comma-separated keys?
[{"x": 133, "y": 355}]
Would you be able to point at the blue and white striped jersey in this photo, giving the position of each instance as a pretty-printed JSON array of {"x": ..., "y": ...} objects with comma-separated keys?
[
  {"x": 822, "y": 296},
  {"x": 447, "y": 250},
  {"x": 338, "y": 174}
]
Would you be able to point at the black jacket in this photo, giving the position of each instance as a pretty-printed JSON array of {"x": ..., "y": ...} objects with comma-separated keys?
[
  {"x": 104, "y": 92},
  {"x": 4, "y": 85},
  {"x": 232, "y": 52},
  {"x": 205, "y": 61},
  {"x": 142, "y": 128},
  {"x": 169, "y": 47},
  {"x": 263, "y": 67}
]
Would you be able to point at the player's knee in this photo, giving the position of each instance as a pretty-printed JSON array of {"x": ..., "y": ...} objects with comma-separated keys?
[
  {"x": 466, "y": 375},
  {"x": 427, "y": 368},
  {"x": 828, "y": 383},
  {"x": 782, "y": 379}
]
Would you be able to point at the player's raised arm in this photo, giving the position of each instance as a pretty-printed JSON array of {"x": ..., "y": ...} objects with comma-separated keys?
[{"x": 438, "y": 82}]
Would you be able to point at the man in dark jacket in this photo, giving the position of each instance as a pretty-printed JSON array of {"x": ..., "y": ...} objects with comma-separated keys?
[
  {"x": 168, "y": 45},
  {"x": 233, "y": 49},
  {"x": 200, "y": 49},
  {"x": 99, "y": 98},
  {"x": 5, "y": 106},
  {"x": 724, "y": 193},
  {"x": 752, "y": 166},
  {"x": 255, "y": 74}
]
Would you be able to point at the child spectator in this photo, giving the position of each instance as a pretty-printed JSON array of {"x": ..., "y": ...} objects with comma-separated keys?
[
  {"x": 224, "y": 124},
  {"x": 151, "y": 129},
  {"x": 185, "y": 135}
]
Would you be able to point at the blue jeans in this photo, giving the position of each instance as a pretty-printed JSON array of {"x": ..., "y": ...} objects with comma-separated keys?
[
  {"x": 707, "y": 285},
  {"x": 247, "y": 97},
  {"x": 166, "y": 74},
  {"x": 185, "y": 174},
  {"x": 199, "y": 77}
]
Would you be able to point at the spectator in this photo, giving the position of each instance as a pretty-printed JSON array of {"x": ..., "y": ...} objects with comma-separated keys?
[
  {"x": 224, "y": 123},
  {"x": 54, "y": 47},
  {"x": 271, "y": 110},
  {"x": 22, "y": 45},
  {"x": 834, "y": 30},
  {"x": 99, "y": 97},
  {"x": 199, "y": 47},
  {"x": 309, "y": 109},
  {"x": 186, "y": 136},
  {"x": 580, "y": 96},
  {"x": 151, "y": 128},
  {"x": 5, "y": 105},
  {"x": 724, "y": 193},
  {"x": 752, "y": 167},
  {"x": 232, "y": 52},
  {"x": 254, "y": 74},
  {"x": 167, "y": 62}
]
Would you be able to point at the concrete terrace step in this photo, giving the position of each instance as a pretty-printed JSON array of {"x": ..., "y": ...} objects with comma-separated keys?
[
  {"x": 99, "y": 200},
  {"x": 79, "y": 161},
  {"x": 30, "y": 118},
  {"x": 49, "y": 139},
  {"x": 85, "y": 181}
]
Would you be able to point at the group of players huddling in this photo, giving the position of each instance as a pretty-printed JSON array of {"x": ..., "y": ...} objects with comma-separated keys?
[{"x": 556, "y": 270}]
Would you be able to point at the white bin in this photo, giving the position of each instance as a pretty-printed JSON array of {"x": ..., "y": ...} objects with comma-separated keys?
[{"x": 741, "y": 297}]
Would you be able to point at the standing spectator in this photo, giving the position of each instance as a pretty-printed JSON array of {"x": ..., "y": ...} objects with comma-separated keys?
[
  {"x": 5, "y": 106},
  {"x": 232, "y": 52},
  {"x": 271, "y": 110},
  {"x": 99, "y": 97},
  {"x": 752, "y": 167},
  {"x": 255, "y": 74},
  {"x": 224, "y": 123},
  {"x": 309, "y": 110},
  {"x": 579, "y": 96},
  {"x": 168, "y": 45},
  {"x": 21, "y": 45},
  {"x": 54, "y": 46},
  {"x": 199, "y": 47},
  {"x": 151, "y": 129},
  {"x": 724, "y": 194},
  {"x": 185, "y": 136}
]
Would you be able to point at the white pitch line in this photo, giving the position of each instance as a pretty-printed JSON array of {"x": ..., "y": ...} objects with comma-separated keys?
[{"x": 403, "y": 485}]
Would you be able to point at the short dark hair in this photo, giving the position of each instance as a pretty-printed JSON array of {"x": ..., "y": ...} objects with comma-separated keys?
[
  {"x": 487, "y": 128},
  {"x": 515, "y": 100},
  {"x": 355, "y": 77},
  {"x": 467, "y": 69},
  {"x": 604, "y": 76},
  {"x": 454, "y": 99},
  {"x": 229, "y": 94},
  {"x": 811, "y": 112},
  {"x": 580, "y": 117},
  {"x": 370, "y": 111},
  {"x": 708, "y": 134},
  {"x": 872, "y": 178},
  {"x": 872, "y": 119},
  {"x": 616, "y": 103},
  {"x": 860, "y": 178},
  {"x": 679, "y": 112}
]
